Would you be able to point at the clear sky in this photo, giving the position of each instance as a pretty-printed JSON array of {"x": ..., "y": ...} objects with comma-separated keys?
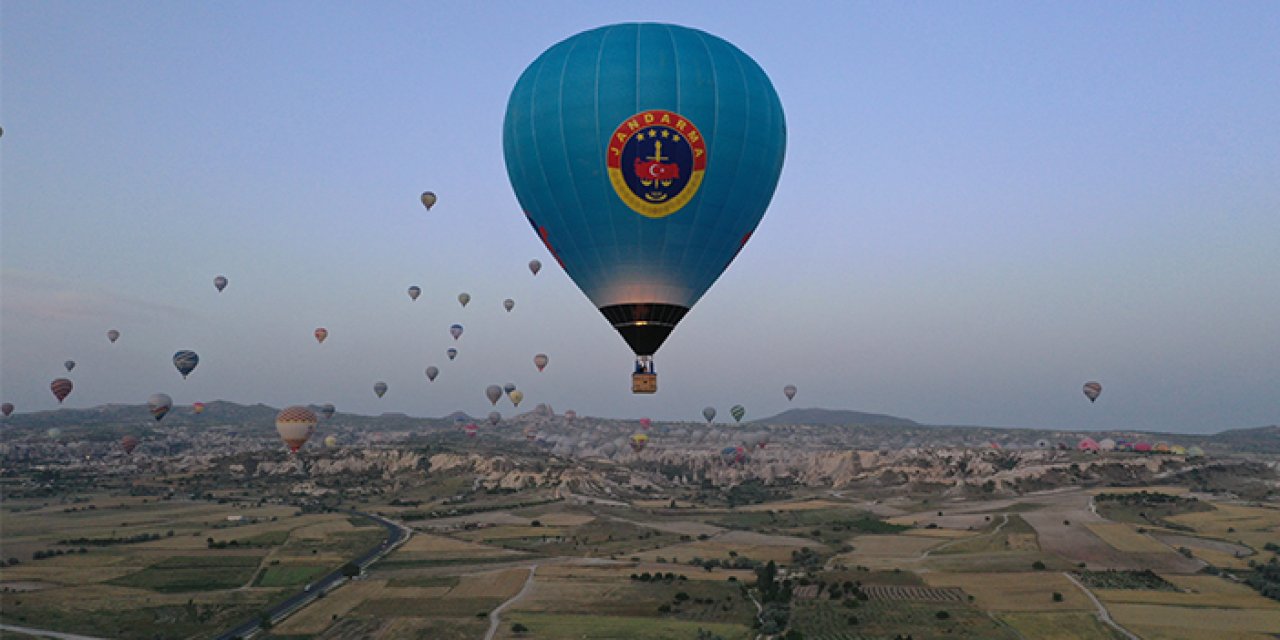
[{"x": 983, "y": 206}]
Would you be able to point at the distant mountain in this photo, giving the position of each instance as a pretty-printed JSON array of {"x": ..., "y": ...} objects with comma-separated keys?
[
  {"x": 836, "y": 417},
  {"x": 1256, "y": 440}
]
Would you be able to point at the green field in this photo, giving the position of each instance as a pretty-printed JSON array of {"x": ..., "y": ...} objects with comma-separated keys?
[
  {"x": 826, "y": 620},
  {"x": 546, "y": 626},
  {"x": 193, "y": 573},
  {"x": 290, "y": 576}
]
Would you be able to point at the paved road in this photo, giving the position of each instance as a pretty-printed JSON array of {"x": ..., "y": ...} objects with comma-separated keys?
[
  {"x": 396, "y": 535},
  {"x": 495, "y": 616},
  {"x": 43, "y": 633}
]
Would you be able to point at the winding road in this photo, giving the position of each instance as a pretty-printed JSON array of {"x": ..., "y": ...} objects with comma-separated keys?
[
  {"x": 495, "y": 616},
  {"x": 1103, "y": 614}
]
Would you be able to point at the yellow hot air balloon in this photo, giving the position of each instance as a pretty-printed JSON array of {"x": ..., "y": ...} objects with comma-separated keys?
[
  {"x": 428, "y": 199},
  {"x": 516, "y": 397}
]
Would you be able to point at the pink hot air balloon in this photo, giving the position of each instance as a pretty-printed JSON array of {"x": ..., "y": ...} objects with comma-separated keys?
[
  {"x": 645, "y": 423},
  {"x": 321, "y": 333}
]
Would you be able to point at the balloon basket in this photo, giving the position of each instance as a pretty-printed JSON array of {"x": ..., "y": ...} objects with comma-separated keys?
[{"x": 644, "y": 383}]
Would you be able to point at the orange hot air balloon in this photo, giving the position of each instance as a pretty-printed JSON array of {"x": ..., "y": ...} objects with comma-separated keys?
[
  {"x": 198, "y": 407},
  {"x": 61, "y": 388},
  {"x": 321, "y": 334},
  {"x": 295, "y": 425}
]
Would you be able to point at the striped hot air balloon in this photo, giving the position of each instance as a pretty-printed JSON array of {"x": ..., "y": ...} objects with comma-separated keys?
[
  {"x": 1092, "y": 390},
  {"x": 321, "y": 333},
  {"x": 185, "y": 362},
  {"x": 61, "y": 388},
  {"x": 159, "y": 405}
]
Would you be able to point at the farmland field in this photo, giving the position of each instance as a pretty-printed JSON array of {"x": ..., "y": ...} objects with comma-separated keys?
[
  {"x": 824, "y": 620},
  {"x": 193, "y": 573},
  {"x": 1196, "y": 623},
  {"x": 545, "y": 626},
  {"x": 1029, "y": 591},
  {"x": 1059, "y": 626}
]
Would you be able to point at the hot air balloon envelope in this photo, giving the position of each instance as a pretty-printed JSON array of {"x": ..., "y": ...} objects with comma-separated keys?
[
  {"x": 61, "y": 388},
  {"x": 70, "y": 364},
  {"x": 451, "y": 352},
  {"x": 6, "y": 409},
  {"x": 185, "y": 362},
  {"x": 321, "y": 333},
  {"x": 493, "y": 392},
  {"x": 709, "y": 413},
  {"x": 295, "y": 425},
  {"x": 455, "y": 331},
  {"x": 380, "y": 388},
  {"x": 129, "y": 443},
  {"x": 159, "y": 405},
  {"x": 645, "y": 423},
  {"x": 644, "y": 156},
  {"x": 197, "y": 407},
  {"x": 414, "y": 292},
  {"x": 508, "y": 304},
  {"x": 327, "y": 410},
  {"x": 113, "y": 335},
  {"x": 464, "y": 298},
  {"x": 428, "y": 199},
  {"x": 535, "y": 266},
  {"x": 220, "y": 283},
  {"x": 495, "y": 418},
  {"x": 789, "y": 391},
  {"x": 540, "y": 361},
  {"x": 516, "y": 396},
  {"x": 737, "y": 411},
  {"x": 1092, "y": 390},
  {"x": 432, "y": 372}
]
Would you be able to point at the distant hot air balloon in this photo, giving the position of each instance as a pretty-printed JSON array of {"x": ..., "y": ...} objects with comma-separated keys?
[
  {"x": 113, "y": 335},
  {"x": 455, "y": 331},
  {"x": 464, "y": 298},
  {"x": 1088, "y": 445},
  {"x": 638, "y": 442},
  {"x": 54, "y": 433},
  {"x": 414, "y": 292},
  {"x": 451, "y": 352},
  {"x": 495, "y": 418},
  {"x": 380, "y": 389},
  {"x": 540, "y": 361},
  {"x": 159, "y": 404},
  {"x": 1142, "y": 447},
  {"x": 70, "y": 364},
  {"x": 657, "y": 130},
  {"x": 321, "y": 334},
  {"x": 432, "y": 372},
  {"x": 1107, "y": 444},
  {"x": 508, "y": 304},
  {"x": 6, "y": 409},
  {"x": 493, "y": 392},
  {"x": 331, "y": 441},
  {"x": 571, "y": 415},
  {"x": 471, "y": 429},
  {"x": 709, "y": 413},
  {"x": 733, "y": 455},
  {"x": 129, "y": 443},
  {"x": 186, "y": 362},
  {"x": 516, "y": 397},
  {"x": 509, "y": 387},
  {"x": 645, "y": 423},
  {"x": 530, "y": 433},
  {"x": 535, "y": 266},
  {"x": 1194, "y": 451},
  {"x": 327, "y": 410},
  {"x": 737, "y": 411},
  {"x": 428, "y": 199},
  {"x": 295, "y": 425},
  {"x": 789, "y": 391},
  {"x": 197, "y": 408},
  {"x": 61, "y": 388},
  {"x": 220, "y": 283},
  {"x": 1092, "y": 390}
]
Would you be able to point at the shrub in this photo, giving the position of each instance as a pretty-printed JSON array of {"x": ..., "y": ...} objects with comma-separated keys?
[
  {"x": 1057, "y": 597},
  {"x": 1038, "y": 565},
  {"x": 942, "y": 615}
]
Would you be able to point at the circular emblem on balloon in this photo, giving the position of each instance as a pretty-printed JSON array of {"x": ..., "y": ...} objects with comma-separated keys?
[{"x": 656, "y": 160}]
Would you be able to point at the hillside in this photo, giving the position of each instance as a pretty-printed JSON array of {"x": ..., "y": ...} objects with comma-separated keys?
[{"x": 836, "y": 417}]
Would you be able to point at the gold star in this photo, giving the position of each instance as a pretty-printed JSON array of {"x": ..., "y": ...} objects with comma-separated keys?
[
  {"x": 639, "y": 136},
  {"x": 666, "y": 133},
  {"x": 675, "y": 138}
]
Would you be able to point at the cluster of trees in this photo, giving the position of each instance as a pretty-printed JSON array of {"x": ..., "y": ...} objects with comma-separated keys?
[
  {"x": 51, "y": 553},
  {"x": 103, "y": 542},
  {"x": 657, "y": 577},
  {"x": 1266, "y": 577}
]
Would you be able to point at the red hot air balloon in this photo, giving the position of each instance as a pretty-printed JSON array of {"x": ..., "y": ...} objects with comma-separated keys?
[
  {"x": 645, "y": 423},
  {"x": 129, "y": 443},
  {"x": 6, "y": 409},
  {"x": 61, "y": 388},
  {"x": 471, "y": 429},
  {"x": 321, "y": 333}
]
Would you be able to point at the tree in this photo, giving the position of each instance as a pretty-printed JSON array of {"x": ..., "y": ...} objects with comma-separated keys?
[
  {"x": 519, "y": 629},
  {"x": 350, "y": 570}
]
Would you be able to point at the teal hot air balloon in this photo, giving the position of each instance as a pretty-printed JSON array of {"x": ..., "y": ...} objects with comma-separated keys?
[
  {"x": 737, "y": 411},
  {"x": 185, "y": 362},
  {"x": 644, "y": 155}
]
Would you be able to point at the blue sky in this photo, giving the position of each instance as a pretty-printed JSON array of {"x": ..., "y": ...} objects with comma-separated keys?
[{"x": 983, "y": 206}]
